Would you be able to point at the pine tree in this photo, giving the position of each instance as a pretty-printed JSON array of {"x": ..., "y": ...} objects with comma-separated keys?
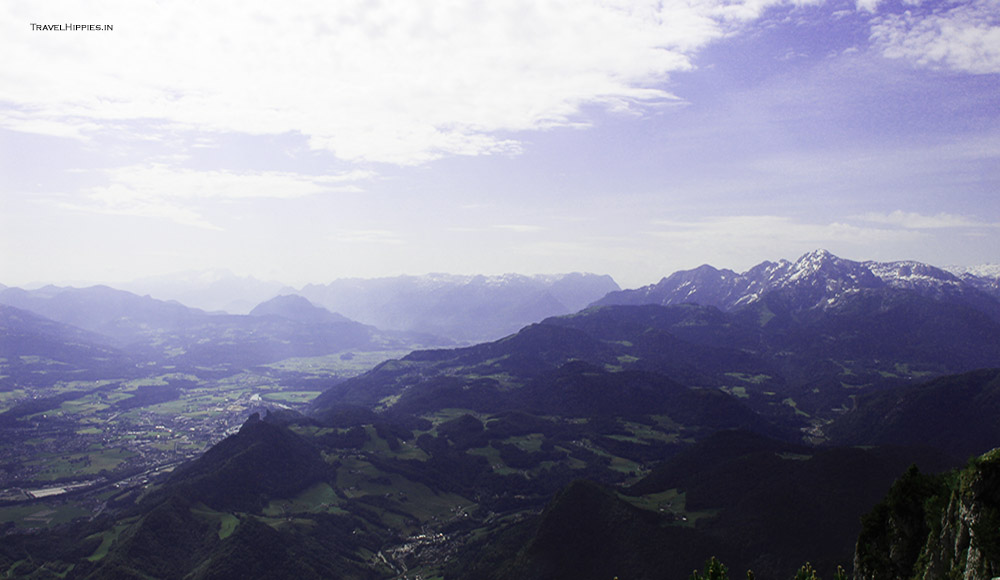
[
  {"x": 806, "y": 572},
  {"x": 714, "y": 570}
]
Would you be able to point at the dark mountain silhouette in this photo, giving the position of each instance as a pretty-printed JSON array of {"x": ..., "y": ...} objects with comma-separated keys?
[
  {"x": 177, "y": 532},
  {"x": 772, "y": 502},
  {"x": 778, "y": 501},
  {"x": 587, "y": 532},
  {"x": 820, "y": 357},
  {"x": 954, "y": 413},
  {"x": 243, "y": 472},
  {"x": 547, "y": 368}
]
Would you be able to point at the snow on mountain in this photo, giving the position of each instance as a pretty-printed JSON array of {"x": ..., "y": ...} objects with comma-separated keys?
[
  {"x": 980, "y": 271},
  {"x": 816, "y": 279},
  {"x": 985, "y": 278}
]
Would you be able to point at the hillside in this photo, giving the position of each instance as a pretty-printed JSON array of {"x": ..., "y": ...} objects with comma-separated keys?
[
  {"x": 38, "y": 351},
  {"x": 756, "y": 503},
  {"x": 946, "y": 413},
  {"x": 777, "y": 360}
]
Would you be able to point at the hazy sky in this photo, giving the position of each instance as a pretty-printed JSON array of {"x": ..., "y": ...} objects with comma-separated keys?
[{"x": 304, "y": 141}]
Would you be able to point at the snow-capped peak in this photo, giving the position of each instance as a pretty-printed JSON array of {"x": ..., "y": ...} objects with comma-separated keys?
[
  {"x": 980, "y": 271},
  {"x": 816, "y": 279}
]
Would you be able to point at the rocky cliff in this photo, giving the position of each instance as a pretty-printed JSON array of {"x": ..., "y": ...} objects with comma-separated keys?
[{"x": 935, "y": 527}]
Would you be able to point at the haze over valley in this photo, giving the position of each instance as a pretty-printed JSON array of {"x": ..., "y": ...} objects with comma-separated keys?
[
  {"x": 423, "y": 453},
  {"x": 455, "y": 290}
]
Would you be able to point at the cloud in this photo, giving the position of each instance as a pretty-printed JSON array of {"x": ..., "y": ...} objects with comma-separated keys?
[
  {"x": 964, "y": 37},
  {"x": 741, "y": 240},
  {"x": 116, "y": 200},
  {"x": 161, "y": 191},
  {"x": 916, "y": 221},
  {"x": 394, "y": 81},
  {"x": 868, "y": 5},
  {"x": 362, "y": 236},
  {"x": 63, "y": 127},
  {"x": 518, "y": 228}
]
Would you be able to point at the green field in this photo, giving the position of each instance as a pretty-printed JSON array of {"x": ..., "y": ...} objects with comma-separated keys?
[
  {"x": 41, "y": 515},
  {"x": 671, "y": 501},
  {"x": 291, "y": 397},
  {"x": 54, "y": 466},
  {"x": 344, "y": 364},
  {"x": 227, "y": 522}
]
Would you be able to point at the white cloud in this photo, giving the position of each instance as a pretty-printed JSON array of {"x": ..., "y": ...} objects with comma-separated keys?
[
  {"x": 743, "y": 239},
  {"x": 868, "y": 5},
  {"x": 26, "y": 123},
  {"x": 164, "y": 192},
  {"x": 518, "y": 228},
  {"x": 965, "y": 37},
  {"x": 915, "y": 221},
  {"x": 372, "y": 236},
  {"x": 117, "y": 202},
  {"x": 392, "y": 81}
]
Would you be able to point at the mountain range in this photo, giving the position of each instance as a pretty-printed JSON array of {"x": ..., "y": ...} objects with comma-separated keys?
[
  {"x": 459, "y": 308},
  {"x": 755, "y": 417},
  {"x": 464, "y": 308},
  {"x": 817, "y": 279},
  {"x": 217, "y": 290},
  {"x": 152, "y": 330}
]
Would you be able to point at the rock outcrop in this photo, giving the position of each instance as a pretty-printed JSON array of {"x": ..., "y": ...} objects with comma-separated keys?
[{"x": 935, "y": 527}]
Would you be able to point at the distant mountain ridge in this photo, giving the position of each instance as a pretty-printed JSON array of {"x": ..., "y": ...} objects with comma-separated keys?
[
  {"x": 468, "y": 308},
  {"x": 464, "y": 308},
  {"x": 37, "y": 350},
  {"x": 296, "y": 308},
  {"x": 436, "y": 309},
  {"x": 169, "y": 331},
  {"x": 117, "y": 314},
  {"x": 816, "y": 279},
  {"x": 211, "y": 290}
]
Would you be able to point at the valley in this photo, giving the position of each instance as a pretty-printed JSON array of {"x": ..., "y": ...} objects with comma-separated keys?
[
  {"x": 95, "y": 436},
  {"x": 634, "y": 440}
]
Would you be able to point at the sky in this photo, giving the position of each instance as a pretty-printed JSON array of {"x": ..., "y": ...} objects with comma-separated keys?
[{"x": 305, "y": 141}]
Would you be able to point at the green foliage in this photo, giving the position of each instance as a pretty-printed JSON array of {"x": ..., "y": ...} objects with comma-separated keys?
[
  {"x": 958, "y": 409},
  {"x": 714, "y": 570},
  {"x": 893, "y": 534},
  {"x": 986, "y": 496},
  {"x": 914, "y": 531},
  {"x": 806, "y": 572}
]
